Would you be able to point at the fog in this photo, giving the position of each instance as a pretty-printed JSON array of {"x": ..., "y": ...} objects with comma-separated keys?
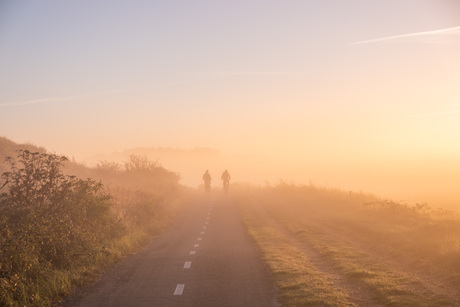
[
  {"x": 402, "y": 179},
  {"x": 312, "y": 92}
]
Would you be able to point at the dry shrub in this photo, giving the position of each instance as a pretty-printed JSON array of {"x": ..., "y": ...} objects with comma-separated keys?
[
  {"x": 142, "y": 190},
  {"x": 49, "y": 221},
  {"x": 52, "y": 224}
]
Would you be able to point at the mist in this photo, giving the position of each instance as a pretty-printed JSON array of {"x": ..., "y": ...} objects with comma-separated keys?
[{"x": 403, "y": 179}]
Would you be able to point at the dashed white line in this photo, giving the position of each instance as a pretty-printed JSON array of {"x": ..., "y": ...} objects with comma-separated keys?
[
  {"x": 202, "y": 233},
  {"x": 199, "y": 239},
  {"x": 193, "y": 253},
  {"x": 187, "y": 265},
  {"x": 196, "y": 245},
  {"x": 179, "y": 289},
  {"x": 204, "y": 227},
  {"x": 206, "y": 223}
]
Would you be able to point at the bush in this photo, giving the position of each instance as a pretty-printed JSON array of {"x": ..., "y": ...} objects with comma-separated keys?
[
  {"x": 139, "y": 173},
  {"x": 47, "y": 221},
  {"x": 143, "y": 191}
]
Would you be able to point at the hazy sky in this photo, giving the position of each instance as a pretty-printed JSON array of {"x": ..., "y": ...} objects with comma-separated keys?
[{"x": 357, "y": 94}]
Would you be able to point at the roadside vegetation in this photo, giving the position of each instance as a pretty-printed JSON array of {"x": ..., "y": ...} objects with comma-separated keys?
[
  {"x": 62, "y": 223},
  {"x": 58, "y": 231},
  {"x": 328, "y": 247}
]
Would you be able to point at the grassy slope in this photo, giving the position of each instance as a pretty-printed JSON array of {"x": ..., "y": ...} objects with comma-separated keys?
[
  {"x": 8, "y": 149},
  {"x": 325, "y": 247}
]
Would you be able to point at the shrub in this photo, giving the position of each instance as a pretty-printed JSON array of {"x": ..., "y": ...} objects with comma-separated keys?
[{"x": 48, "y": 221}]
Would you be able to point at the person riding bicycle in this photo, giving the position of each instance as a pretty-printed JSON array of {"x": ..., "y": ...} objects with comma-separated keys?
[
  {"x": 225, "y": 180},
  {"x": 207, "y": 181}
]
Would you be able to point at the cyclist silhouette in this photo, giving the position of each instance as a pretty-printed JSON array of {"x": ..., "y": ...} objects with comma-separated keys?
[
  {"x": 207, "y": 181},
  {"x": 225, "y": 180}
]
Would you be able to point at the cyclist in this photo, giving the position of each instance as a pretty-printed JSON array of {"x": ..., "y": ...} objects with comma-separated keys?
[
  {"x": 207, "y": 181},
  {"x": 225, "y": 180}
]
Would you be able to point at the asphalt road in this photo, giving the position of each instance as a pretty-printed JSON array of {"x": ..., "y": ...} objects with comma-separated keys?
[{"x": 205, "y": 259}]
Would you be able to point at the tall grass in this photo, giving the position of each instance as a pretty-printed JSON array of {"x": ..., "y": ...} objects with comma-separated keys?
[{"x": 372, "y": 251}]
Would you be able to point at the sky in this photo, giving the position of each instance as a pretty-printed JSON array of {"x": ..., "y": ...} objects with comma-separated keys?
[{"x": 361, "y": 95}]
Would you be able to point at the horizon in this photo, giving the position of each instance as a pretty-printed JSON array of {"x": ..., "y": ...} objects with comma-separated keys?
[
  {"x": 329, "y": 93},
  {"x": 190, "y": 164}
]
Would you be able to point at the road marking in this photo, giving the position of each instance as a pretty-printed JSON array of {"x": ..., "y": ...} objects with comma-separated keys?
[
  {"x": 196, "y": 245},
  {"x": 187, "y": 265},
  {"x": 193, "y": 253},
  {"x": 202, "y": 233},
  {"x": 204, "y": 227},
  {"x": 199, "y": 239},
  {"x": 207, "y": 218},
  {"x": 179, "y": 289},
  {"x": 206, "y": 223}
]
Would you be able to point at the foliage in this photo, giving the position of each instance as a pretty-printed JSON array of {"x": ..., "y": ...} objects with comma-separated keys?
[
  {"x": 143, "y": 191},
  {"x": 58, "y": 232},
  {"x": 8, "y": 148},
  {"x": 139, "y": 173},
  {"x": 48, "y": 221}
]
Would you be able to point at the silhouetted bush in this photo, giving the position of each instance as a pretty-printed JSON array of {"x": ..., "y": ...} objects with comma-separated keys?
[
  {"x": 139, "y": 173},
  {"x": 142, "y": 190}
]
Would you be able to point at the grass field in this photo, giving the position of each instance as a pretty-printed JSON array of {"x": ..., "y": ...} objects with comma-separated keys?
[{"x": 331, "y": 248}]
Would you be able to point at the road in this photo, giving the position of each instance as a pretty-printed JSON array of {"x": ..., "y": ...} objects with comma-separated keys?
[{"x": 205, "y": 259}]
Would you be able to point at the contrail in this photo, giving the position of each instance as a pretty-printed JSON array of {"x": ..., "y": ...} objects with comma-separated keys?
[
  {"x": 425, "y": 33},
  {"x": 23, "y": 103},
  {"x": 36, "y": 101},
  {"x": 248, "y": 73}
]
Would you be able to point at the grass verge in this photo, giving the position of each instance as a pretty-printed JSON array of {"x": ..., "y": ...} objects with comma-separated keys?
[
  {"x": 299, "y": 283},
  {"x": 323, "y": 248}
]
